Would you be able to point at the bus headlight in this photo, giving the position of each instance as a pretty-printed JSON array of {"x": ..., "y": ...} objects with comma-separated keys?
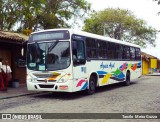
[
  {"x": 31, "y": 79},
  {"x": 64, "y": 78}
]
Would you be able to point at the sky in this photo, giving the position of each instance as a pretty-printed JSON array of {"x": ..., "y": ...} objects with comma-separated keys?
[{"x": 143, "y": 9}]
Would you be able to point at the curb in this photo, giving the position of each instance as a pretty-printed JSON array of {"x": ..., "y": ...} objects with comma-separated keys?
[
  {"x": 19, "y": 95},
  {"x": 153, "y": 75}
]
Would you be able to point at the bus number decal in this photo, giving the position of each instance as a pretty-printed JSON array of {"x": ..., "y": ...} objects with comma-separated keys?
[{"x": 83, "y": 69}]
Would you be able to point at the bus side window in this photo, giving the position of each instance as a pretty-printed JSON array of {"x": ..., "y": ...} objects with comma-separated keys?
[
  {"x": 138, "y": 54},
  {"x": 102, "y": 49},
  {"x": 91, "y": 48},
  {"x": 132, "y": 53},
  {"x": 116, "y": 51},
  {"x": 78, "y": 52},
  {"x": 111, "y": 50},
  {"x": 74, "y": 50},
  {"x": 120, "y": 52},
  {"x": 126, "y": 53}
]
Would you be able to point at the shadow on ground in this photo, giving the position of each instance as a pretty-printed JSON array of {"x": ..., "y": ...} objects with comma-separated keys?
[{"x": 78, "y": 95}]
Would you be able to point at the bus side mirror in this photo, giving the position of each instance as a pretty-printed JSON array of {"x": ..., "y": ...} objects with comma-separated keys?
[
  {"x": 22, "y": 51},
  {"x": 74, "y": 58}
]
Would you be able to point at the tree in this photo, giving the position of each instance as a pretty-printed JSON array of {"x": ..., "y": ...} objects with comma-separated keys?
[
  {"x": 121, "y": 24},
  {"x": 41, "y": 14},
  {"x": 158, "y": 1},
  {"x": 29, "y": 10},
  {"x": 8, "y": 14},
  {"x": 57, "y": 13}
]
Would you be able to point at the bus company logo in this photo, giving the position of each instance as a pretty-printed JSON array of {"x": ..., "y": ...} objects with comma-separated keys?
[
  {"x": 45, "y": 80},
  {"x": 6, "y": 116},
  {"x": 105, "y": 66}
]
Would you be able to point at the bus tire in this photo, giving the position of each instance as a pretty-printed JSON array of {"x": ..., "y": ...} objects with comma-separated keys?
[
  {"x": 127, "y": 82},
  {"x": 92, "y": 86}
]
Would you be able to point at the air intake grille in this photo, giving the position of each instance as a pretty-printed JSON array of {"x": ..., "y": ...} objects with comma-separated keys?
[{"x": 46, "y": 86}]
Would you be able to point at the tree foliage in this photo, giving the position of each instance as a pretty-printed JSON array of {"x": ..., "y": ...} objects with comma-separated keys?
[
  {"x": 8, "y": 14},
  {"x": 158, "y": 1},
  {"x": 40, "y": 14},
  {"x": 121, "y": 24}
]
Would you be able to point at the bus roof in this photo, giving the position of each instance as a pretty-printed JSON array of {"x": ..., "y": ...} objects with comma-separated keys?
[{"x": 91, "y": 35}]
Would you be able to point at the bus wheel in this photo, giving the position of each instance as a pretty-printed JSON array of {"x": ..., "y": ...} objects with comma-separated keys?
[
  {"x": 127, "y": 82},
  {"x": 92, "y": 86}
]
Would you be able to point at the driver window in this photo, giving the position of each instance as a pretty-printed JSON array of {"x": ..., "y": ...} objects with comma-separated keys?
[
  {"x": 74, "y": 50},
  {"x": 78, "y": 51}
]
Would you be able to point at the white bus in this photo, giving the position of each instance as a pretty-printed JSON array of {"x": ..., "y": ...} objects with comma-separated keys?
[{"x": 66, "y": 60}]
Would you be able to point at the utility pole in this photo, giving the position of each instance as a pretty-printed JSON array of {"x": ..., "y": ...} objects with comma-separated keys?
[{"x": 104, "y": 31}]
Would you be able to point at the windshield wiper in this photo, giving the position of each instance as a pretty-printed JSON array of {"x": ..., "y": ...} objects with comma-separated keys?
[{"x": 52, "y": 46}]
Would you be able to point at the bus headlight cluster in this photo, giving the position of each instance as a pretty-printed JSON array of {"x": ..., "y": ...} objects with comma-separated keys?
[
  {"x": 64, "y": 78},
  {"x": 31, "y": 79}
]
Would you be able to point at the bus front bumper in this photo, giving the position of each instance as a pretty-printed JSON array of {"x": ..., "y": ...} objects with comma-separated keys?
[{"x": 57, "y": 87}]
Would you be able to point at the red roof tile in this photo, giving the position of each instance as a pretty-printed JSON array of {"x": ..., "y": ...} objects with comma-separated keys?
[{"x": 13, "y": 36}]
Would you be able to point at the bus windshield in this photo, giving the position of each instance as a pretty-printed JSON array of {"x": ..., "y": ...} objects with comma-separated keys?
[{"x": 48, "y": 56}]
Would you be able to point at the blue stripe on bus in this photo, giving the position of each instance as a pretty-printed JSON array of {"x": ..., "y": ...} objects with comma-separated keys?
[
  {"x": 85, "y": 86},
  {"x": 101, "y": 72}
]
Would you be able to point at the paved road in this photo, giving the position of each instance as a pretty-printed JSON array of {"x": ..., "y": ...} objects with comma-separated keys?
[{"x": 142, "y": 96}]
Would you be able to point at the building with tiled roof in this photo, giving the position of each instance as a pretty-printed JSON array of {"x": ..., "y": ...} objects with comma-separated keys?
[
  {"x": 12, "y": 37},
  {"x": 10, "y": 49},
  {"x": 150, "y": 64}
]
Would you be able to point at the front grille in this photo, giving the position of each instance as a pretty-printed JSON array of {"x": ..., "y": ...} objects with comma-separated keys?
[
  {"x": 46, "y": 86},
  {"x": 46, "y": 81},
  {"x": 41, "y": 80},
  {"x": 51, "y": 80},
  {"x": 43, "y": 75}
]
